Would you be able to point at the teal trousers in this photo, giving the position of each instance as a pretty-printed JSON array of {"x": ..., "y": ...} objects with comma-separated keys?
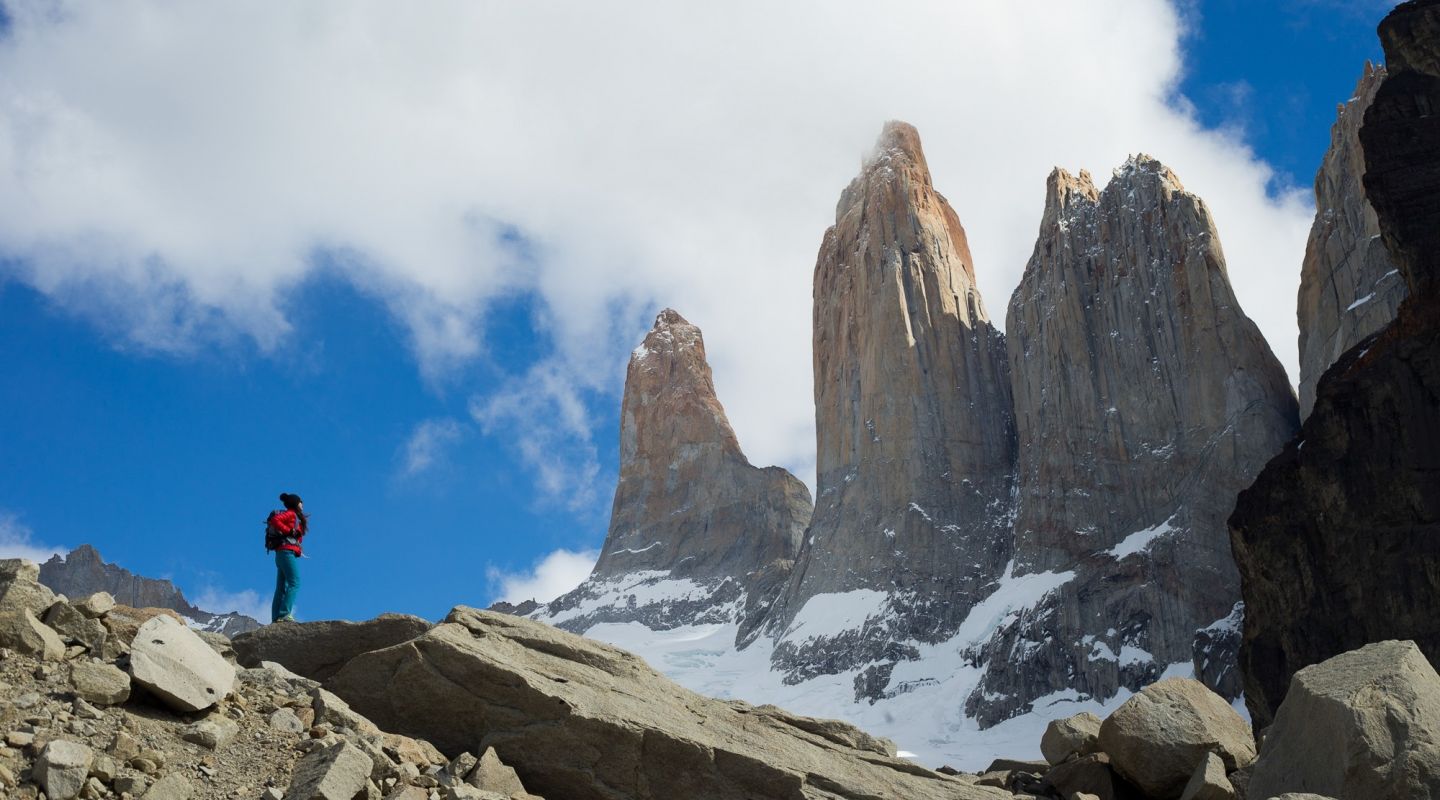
[{"x": 287, "y": 584}]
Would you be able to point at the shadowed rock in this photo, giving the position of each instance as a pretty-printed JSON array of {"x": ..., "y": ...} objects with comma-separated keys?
[{"x": 318, "y": 650}]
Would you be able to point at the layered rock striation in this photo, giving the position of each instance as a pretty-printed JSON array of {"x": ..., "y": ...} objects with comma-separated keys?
[
  {"x": 1338, "y": 540},
  {"x": 82, "y": 572},
  {"x": 697, "y": 534},
  {"x": 914, "y": 431},
  {"x": 1349, "y": 285},
  {"x": 1145, "y": 400}
]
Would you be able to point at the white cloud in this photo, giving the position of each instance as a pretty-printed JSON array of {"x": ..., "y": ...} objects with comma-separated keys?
[
  {"x": 17, "y": 541},
  {"x": 246, "y": 601},
  {"x": 543, "y": 417},
  {"x": 427, "y": 444},
  {"x": 554, "y": 575},
  {"x": 171, "y": 170}
]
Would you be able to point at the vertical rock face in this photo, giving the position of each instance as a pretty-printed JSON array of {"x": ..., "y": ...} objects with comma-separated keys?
[
  {"x": 914, "y": 429},
  {"x": 1349, "y": 285},
  {"x": 1145, "y": 399},
  {"x": 1338, "y": 540},
  {"x": 82, "y": 572},
  {"x": 696, "y": 533}
]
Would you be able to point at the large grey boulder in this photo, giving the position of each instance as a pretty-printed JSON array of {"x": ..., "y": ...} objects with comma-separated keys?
[
  {"x": 20, "y": 630},
  {"x": 62, "y": 768},
  {"x": 96, "y": 605},
  {"x": 177, "y": 666},
  {"x": 337, "y": 772},
  {"x": 318, "y": 650},
  {"x": 1159, "y": 737},
  {"x": 1362, "y": 724},
  {"x": 585, "y": 721},
  {"x": 20, "y": 587}
]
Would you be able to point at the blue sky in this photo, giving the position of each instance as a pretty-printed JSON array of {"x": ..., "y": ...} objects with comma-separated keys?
[{"x": 445, "y": 394}]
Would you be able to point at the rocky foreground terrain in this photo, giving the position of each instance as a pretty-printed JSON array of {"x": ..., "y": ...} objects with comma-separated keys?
[{"x": 488, "y": 706}]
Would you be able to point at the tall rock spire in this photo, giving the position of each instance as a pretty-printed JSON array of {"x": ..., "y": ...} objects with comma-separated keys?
[
  {"x": 694, "y": 526},
  {"x": 915, "y": 440},
  {"x": 1145, "y": 400},
  {"x": 1350, "y": 287}
]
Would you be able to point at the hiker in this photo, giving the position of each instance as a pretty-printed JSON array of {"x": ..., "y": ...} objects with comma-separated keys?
[{"x": 284, "y": 531}]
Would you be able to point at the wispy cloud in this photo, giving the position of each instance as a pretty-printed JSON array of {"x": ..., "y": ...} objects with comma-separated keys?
[
  {"x": 427, "y": 445},
  {"x": 554, "y": 575},
  {"x": 18, "y": 541},
  {"x": 542, "y": 416},
  {"x": 246, "y": 601}
]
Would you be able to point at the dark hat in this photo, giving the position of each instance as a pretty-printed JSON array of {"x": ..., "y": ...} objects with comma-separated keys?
[{"x": 290, "y": 501}]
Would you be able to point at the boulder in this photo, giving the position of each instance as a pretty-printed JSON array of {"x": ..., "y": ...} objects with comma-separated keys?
[
  {"x": 214, "y": 731},
  {"x": 75, "y": 627},
  {"x": 317, "y": 650},
  {"x": 330, "y": 708},
  {"x": 1090, "y": 774},
  {"x": 337, "y": 772},
  {"x": 582, "y": 720},
  {"x": 285, "y": 721},
  {"x": 1158, "y": 738},
  {"x": 20, "y": 587},
  {"x": 170, "y": 787},
  {"x": 491, "y": 773},
  {"x": 99, "y": 683},
  {"x": 20, "y": 630},
  {"x": 1077, "y": 735},
  {"x": 1362, "y": 724},
  {"x": 1209, "y": 782},
  {"x": 177, "y": 666},
  {"x": 96, "y": 605},
  {"x": 62, "y": 768}
]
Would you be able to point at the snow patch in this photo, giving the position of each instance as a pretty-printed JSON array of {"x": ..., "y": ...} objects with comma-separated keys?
[
  {"x": 1140, "y": 540},
  {"x": 828, "y": 615}
]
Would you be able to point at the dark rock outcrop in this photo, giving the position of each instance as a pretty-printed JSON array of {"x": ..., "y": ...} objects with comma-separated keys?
[
  {"x": 317, "y": 650},
  {"x": 82, "y": 572},
  {"x": 914, "y": 429},
  {"x": 1338, "y": 540},
  {"x": 697, "y": 534},
  {"x": 1349, "y": 285},
  {"x": 1145, "y": 400}
]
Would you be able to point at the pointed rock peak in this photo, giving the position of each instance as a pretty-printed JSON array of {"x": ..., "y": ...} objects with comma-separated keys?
[
  {"x": 896, "y": 157},
  {"x": 1062, "y": 189},
  {"x": 899, "y": 140},
  {"x": 1143, "y": 168},
  {"x": 671, "y": 333}
]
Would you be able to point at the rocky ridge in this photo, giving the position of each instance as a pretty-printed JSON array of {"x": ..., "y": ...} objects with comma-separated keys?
[
  {"x": 1349, "y": 284},
  {"x": 1338, "y": 540},
  {"x": 697, "y": 534},
  {"x": 82, "y": 572}
]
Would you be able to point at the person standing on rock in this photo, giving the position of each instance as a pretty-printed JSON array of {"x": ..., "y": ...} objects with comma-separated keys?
[{"x": 284, "y": 531}]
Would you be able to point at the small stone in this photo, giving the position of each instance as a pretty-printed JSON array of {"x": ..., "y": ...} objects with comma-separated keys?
[
  {"x": 271, "y": 793},
  {"x": 132, "y": 785},
  {"x": 7, "y": 778},
  {"x": 214, "y": 731},
  {"x": 208, "y": 772},
  {"x": 154, "y": 755},
  {"x": 103, "y": 767},
  {"x": 1209, "y": 782},
  {"x": 144, "y": 765},
  {"x": 337, "y": 772},
  {"x": 19, "y": 739},
  {"x": 99, "y": 683},
  {"x": 123, "y": 746},
  {"x": 96, "y": 605},
  {"x": 84, "y": 710},
  {"x": 171, "y": 787},
  {"x": 28, "y": 700},
  {"x": 62, "y": 769},
  {"x": 21, "y": 631},
  {"x": 285, "y": 721},
  {"x": 493, "y": 774}
]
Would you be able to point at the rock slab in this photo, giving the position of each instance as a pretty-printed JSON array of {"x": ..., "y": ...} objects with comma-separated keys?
[
  {"x": 317, "y": 650},
  {"x": 62, "y": 768},
  {"x": 579, "y": 719},
  {"x": 177, "y": 666},
  {"x": 337, "y": 772}
]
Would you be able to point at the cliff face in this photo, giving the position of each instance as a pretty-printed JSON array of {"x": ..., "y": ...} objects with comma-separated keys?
[
  {"x": 696, "y": 533},
  {"x": 1145, "y": 399},
  {"x": 1349, "y": 285},
  {"x": 82, "y": 572},
  {"x": 1338, "y": 540},
  {"x": 915, "y": 439}
]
